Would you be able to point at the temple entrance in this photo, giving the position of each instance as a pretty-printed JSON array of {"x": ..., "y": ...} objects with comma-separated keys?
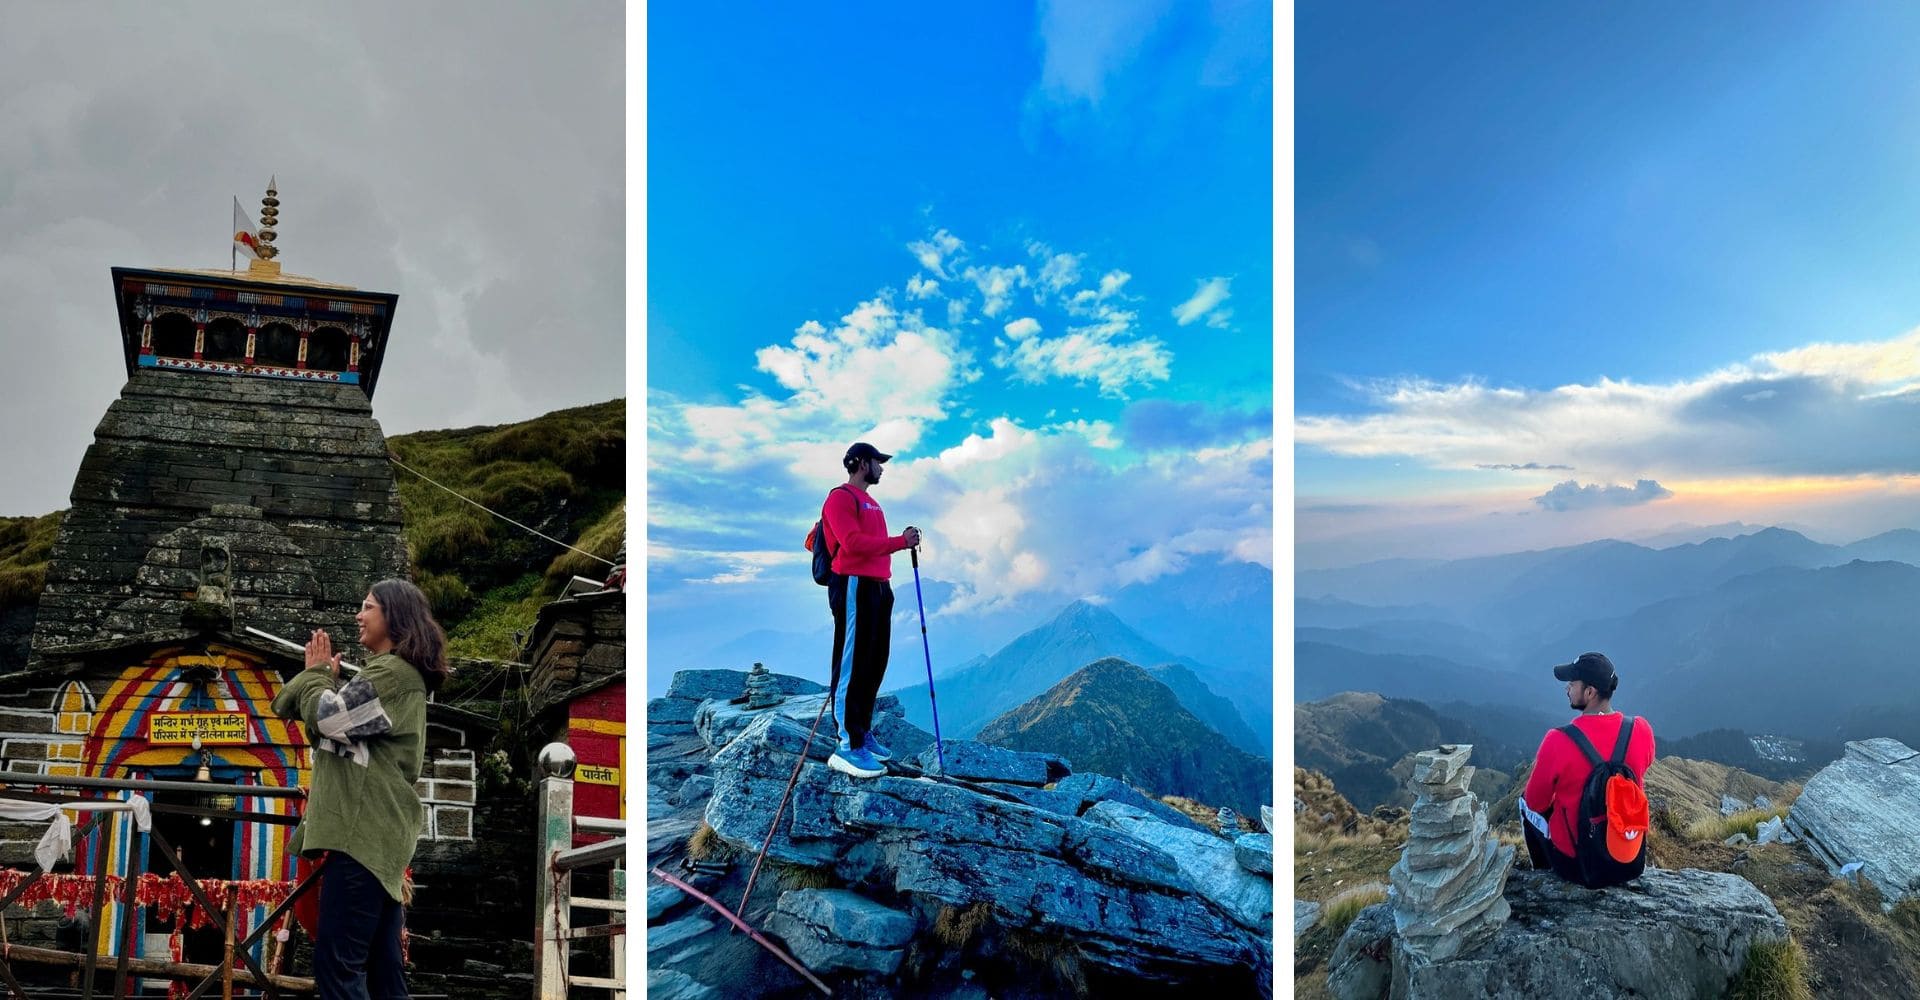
[{"x": 205, "y": 845}]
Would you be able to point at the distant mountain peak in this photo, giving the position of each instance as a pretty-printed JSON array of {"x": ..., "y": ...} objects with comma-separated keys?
[{"x": 1084, "y": 611}]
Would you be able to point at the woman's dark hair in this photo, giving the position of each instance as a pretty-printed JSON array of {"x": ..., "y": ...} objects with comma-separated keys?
[{"x": 417, "y": 638}]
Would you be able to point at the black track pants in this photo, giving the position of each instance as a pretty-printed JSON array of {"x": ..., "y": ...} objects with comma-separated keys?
[{"x": 862, "y": 634}]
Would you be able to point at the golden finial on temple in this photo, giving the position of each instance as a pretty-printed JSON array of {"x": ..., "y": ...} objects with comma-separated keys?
[{"x": 269, "y": 217}]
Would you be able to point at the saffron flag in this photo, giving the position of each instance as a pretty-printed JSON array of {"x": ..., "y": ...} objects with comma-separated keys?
[{"x": 244, "y": 236}]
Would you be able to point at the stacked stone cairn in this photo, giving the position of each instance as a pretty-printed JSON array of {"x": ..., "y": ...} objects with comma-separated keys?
[
  {"x": 762, "y": 690},
  {"x": 1449, "y": 886},
  {"x": 1229, "y": 822}
]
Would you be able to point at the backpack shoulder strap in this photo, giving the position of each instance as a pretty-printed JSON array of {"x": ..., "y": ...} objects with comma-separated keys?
[
  {"x": 823, "y": 515},
  {"x": 1626, "y": 736},
  {"x": 1586, "y": 745}
]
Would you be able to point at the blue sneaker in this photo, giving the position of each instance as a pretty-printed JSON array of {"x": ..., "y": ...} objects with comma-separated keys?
[
  {"x": 855, "y": 761},
  {"x": 878, "y": 749}
]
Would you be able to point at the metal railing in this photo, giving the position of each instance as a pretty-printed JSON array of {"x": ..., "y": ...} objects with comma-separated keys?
[
  {"x": 554, "y": 901},
  {"x": 223, "y": 976}
]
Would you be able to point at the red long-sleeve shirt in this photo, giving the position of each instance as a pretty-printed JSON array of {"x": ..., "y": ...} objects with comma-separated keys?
[
  {"x": 857, "y": 535},
  {"x": 1560, "y": 770}
]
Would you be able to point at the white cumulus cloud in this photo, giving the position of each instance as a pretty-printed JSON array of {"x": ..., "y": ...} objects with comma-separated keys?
[
  {"x": 1823, "y": 409},
  {"x": 1205, "y": 304}
]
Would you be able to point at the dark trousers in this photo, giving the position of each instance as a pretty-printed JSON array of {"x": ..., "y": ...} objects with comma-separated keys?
[
  {"x": 1543, "y": 855},
  {"x": 862, "y": 635},
  {"x": 357, "y": 952}
]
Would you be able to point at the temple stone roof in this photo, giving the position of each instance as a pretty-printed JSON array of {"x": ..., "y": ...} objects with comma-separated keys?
[{"x": 273, "y": 497}]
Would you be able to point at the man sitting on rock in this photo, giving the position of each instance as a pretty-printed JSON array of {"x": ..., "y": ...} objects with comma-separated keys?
[{"x": 1551, "y": 805}]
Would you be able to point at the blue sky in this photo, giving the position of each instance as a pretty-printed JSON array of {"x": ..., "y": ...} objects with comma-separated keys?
[
  {"x": 1027, "y": 249},
  {"x": 1604, "y": 244}
]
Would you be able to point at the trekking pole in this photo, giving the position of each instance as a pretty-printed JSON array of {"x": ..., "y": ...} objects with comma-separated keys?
[{"x": 939, "y": 749}]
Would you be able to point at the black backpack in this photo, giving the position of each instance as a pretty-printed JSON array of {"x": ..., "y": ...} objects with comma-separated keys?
[
  {"x": 823, "y": 573},
  {"x": 1610, "y": 831}
]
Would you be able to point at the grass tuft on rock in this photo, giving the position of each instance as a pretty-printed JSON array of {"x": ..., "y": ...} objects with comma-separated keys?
[
  {"x": 793, "y": 877},
  {"x": 1055, "y": 953},
  {"x": 706, "y": 845},
  {"x": 1338, "y": 913},
  {"x": 955, "y": 927},
  {"x": 1775, "y": 970}
]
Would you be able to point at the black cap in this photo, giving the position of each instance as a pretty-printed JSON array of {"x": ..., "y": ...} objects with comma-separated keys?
[
  {"x": 1591, "y": 668},
  {"x": 863, "y": 450}
]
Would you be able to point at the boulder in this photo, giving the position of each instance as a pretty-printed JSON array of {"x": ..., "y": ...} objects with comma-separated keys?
[
  {"x": 905, "y": 739},
  {"x": 1772, "y": 831},
  {"x": 1361, "y": 966},
  {"x": 976, "y": 761},
  {"x": 719, "y": 722},
  {"x": 1306, "y": 913},
  {"x": 1127, "y": 904},
  {"x": 660, "y": 899},
  {"x": 1040, "y": 798},
  {"x": 725, "y": 685},
  {"x": 678, "y": 932},
  {"x": 1090, "y": 788},
  {"x": 1254, "y": 851},
  {"x": 667, "y": 984},
  {"x": 1208, "y": 863},
  {"x": 834, "y": 930},
  {"x": 1860, "y": 809},
  {"x": 695, "y": 789},
  {"x": 1669, "y": 935},
  {"x": 1730, "y": 805},
  {"x": 671, "y": 711},
  {"x": 1266, "y": 818}
]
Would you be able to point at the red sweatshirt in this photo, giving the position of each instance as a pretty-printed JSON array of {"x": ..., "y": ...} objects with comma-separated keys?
[
  {"x": 857, "y": 536},
  {"x": 1560, "y": 770}
]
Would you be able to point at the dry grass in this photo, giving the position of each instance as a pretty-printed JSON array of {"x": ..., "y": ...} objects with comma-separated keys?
[
  {"x": 1337, "y": 913},
  {"x": 956, "y": 926},
  {"x": 803, "y": 876},
  {"x": 1906, "y": 915},
  {"x": 1775, "y": 970},
  {"x": 1055, "y": 953},
  {"x": 1719, "y": 828},
  {"x": 706, "y": 845}
]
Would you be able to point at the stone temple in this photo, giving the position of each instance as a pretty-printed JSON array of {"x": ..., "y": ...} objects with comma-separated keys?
[{"x": 240, "y": 469}]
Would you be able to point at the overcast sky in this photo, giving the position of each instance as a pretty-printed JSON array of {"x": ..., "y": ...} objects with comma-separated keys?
[{"x": 469, "y": 157}]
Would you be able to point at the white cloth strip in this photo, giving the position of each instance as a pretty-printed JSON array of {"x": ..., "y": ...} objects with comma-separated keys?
[{"x": 57, "y": 842}]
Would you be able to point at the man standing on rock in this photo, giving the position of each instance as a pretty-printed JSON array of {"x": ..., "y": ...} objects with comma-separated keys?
[
  {"x": 862, "y": 601},
  {"x": 1560, "y": 770}
]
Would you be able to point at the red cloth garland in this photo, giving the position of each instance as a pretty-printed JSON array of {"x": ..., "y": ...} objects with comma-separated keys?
[{"x": 168, "y": 896}]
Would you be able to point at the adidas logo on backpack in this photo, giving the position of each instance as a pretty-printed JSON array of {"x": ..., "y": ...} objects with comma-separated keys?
[{"x": 1610, "y": 832}]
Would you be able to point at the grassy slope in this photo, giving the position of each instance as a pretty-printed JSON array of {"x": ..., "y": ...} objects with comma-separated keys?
[
  {"x": 563, "y": 473},
  {"x": 24, "y": 544}
]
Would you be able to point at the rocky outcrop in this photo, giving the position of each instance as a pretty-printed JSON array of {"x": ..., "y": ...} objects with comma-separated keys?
[
  {"x": 1458, "y": 924},
  {"x": 1127, "y": 903},
  {"x": 1124, "y": 888},
  {"x": 1447, "y": 885},
  {"x": 833, "y": 930},
  {"x": 1672, "y": 935},
  {"x": 1860, "y": 809},
  {"x": 1208, "y": 863},
  {"x": 976, "y": 761}
]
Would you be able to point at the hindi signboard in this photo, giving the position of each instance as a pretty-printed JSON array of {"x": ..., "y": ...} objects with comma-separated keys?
[{"x": 213, "y": 728}]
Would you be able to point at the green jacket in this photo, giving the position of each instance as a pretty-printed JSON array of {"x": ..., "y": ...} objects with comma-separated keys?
[{"x": 370, "y": 813}]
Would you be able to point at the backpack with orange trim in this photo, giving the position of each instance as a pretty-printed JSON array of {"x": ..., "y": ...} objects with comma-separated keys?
[{"x": 1610, "y": 831}]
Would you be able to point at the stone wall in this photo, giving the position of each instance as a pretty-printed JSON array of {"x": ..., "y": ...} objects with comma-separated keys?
[
  {"x": 577, "y": 642},
  {"x": 311, "y": 518}
]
